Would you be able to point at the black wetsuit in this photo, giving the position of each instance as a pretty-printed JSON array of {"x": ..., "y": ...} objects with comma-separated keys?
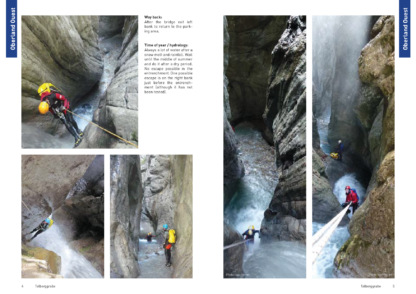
[
  {"x": 66, "y": 118},
  {"x": 39, "y": 229},
  {"x": 168, "y": 252}
]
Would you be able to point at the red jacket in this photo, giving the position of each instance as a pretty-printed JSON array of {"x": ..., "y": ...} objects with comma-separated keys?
[
  {"x": 55, "y": 96},
  {"x": 352, "y": 196}
]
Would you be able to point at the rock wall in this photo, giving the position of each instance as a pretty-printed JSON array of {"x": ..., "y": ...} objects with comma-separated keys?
[
  {"x": 126, "y": 197},
  {"x": 251, "y": 39},
  {"x": 370, "y": 251},
  {"x": 285, "y": 116},
  {"x": 182, "y": 183},
  {"x": 233, "y": 258},
  {"x": 46, "y": 182},
  {"x": 158, "y": 199},
  {"x": 118, "y": 109},
  {"x": 62, "y": 50},
  {"x": 39, "y": 263}
]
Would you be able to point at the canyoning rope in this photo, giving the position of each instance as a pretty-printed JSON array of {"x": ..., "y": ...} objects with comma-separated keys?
[
  {"x": 27, "y": 207},
  {"x": 236, "y": 244},
  {"x": 128, "y": 142}
]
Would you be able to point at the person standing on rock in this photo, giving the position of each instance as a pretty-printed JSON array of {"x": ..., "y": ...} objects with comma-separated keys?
[
  {"x": 351, "y": 196},
  {"x": 44, "y": 225},
  {"x": 56, "y": 103},
  {"x": 340, "y": 150},
  {"x": 169, "y": 240}
]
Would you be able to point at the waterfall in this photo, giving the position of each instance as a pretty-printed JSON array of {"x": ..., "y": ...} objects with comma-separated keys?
[{"x": 73, "y": 264}]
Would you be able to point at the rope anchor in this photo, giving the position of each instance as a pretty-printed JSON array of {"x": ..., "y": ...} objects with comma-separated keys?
[{"x": 128, "y": 142}]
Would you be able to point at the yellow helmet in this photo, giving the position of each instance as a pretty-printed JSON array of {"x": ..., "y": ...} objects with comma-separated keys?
[
  {"x": 47, "y": 87},
  {"x": 251, "y": 227},
  {"x": 149, "y": 233},
  {"x": 43, "y": 107}
]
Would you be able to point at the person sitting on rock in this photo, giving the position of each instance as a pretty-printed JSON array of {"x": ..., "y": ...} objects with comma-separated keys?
[
  {"x": 249, "y": 235},
  {"x": 44, "y": 225},
  {"x": 351, "y": 196},
  {"x": 56, "y": 103},
  {"x": 169, "y": 240},
  {"x": 149, "y": 237},
  {"x": 340, "y": 149}
]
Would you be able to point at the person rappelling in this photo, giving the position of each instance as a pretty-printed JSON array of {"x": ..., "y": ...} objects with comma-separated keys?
[
  {"x": 249, "y": 235},
  {"x": 338, "y": 154},
  {"x": 43, "y": 226},
  {"x": 351, "y": 196},
  {"x": 53, "y": 101}
]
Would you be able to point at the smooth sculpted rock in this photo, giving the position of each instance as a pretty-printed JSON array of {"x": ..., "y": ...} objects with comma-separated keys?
[
  {"x": 110, "y": 26},
  {"x": 233, "y": 165},
  {"x": 126, "y": 197},
  {"x": 251, "y": 40},
  {"x": 285, "y": 116},
  {"x": 158, "y": 199},
  {"x": 46, "y": 182},
  {"x": 62, "y": 50},
  {"x": 118, "y": 109},
  {"x": 227, "y": 109},
  {"x": 370, "y": 251},
  {"x": 233, "y": 257},
  {"x": 182, "y": 183},
  {"x": 40, "y": 263},
  {"x": 325, "y": 204}
]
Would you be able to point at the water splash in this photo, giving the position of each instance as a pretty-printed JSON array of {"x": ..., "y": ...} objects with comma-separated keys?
[{"x": 73, "y": 264}]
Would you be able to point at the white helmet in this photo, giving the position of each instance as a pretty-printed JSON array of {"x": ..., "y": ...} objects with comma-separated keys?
[{"x": 339, "y": 142}]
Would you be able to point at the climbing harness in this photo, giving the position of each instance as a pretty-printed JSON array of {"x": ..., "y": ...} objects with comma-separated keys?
[
  {"x": 236, "y": 244},
  {"x": 128, "y": 142},
  {"x": 320, "y": 239}
]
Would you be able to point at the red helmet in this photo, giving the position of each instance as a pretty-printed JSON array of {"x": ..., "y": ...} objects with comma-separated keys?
[{"x": 348, "y": 187}]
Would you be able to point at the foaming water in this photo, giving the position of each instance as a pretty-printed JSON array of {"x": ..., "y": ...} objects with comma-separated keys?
[
  {"x": 73, "y": 264},
  {"x": 279, "y": 259},
  {"x": 324, "y": 265}
]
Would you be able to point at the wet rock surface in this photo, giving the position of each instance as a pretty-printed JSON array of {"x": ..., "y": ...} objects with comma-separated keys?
[
  {"x": 251, "y": 39},
  {"x": 40, "y": 263},
  {"x": 118, "y": 107},
  {"x": 233, "y": 258},
  {"x": 285, "y": 116},
  {"x": 126, "y": 197}
]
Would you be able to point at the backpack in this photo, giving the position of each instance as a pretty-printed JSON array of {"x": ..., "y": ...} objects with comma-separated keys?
[
  {"x": 172, "y": 236},
  {"x": 355, "y": 191}
]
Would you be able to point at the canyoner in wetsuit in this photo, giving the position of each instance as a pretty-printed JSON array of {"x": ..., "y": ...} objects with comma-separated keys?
[
  {"x": 351, "y": 196},
  {"x": 249, "y": 235},
  {"x": 56, "y": 103},
  {"x": 149, "y": 237},
  {"x": 44, "y": 225},
  {"x": 169, "y": 241}
]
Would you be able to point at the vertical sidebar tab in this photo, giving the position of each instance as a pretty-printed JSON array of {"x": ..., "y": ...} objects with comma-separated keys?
[
  {"x": 11, "y": 28},
  {"x": 404, "y": 27}
]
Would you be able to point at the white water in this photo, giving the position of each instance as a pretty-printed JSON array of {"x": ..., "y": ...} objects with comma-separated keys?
[
  {"x": 325, "y": 263},
  {"x": 254, "y": 192},
  {"x": 279, "y": 259},
  {"x": 73, "y": 264}
]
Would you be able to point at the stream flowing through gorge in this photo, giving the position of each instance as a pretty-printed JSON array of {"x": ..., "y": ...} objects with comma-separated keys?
[
  {"x": 275, "y": 259},
  {"x": 73, "y": 264},
  {"x": 152, "y": 260}
]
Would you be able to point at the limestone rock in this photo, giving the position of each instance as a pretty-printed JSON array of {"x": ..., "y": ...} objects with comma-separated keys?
[
  {"x": 369, "y": 252},
  {"x": 126, "y": 197},
  {"x": 62, "y": 50},
  {"x": 40, "y": 263},
  {"x": 182, "y": 183},
  {"x": 251, "y": 41},
  {"x": 233, "y": 258},
  {"x": 233, "y": 165},
  {"x": 285, "y": 116}
]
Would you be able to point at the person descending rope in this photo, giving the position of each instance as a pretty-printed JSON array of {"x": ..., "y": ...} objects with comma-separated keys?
[
  {"x": 53, "y": 101},
  {"x": 352, "y": 197},
  {"x": 340, "y": 150},
  {"x": 249, "y": 235},
  {"x": 44, "y": 225},
  {"x": 170, "y": 239},
  {"x": 149, "y": 237}
]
